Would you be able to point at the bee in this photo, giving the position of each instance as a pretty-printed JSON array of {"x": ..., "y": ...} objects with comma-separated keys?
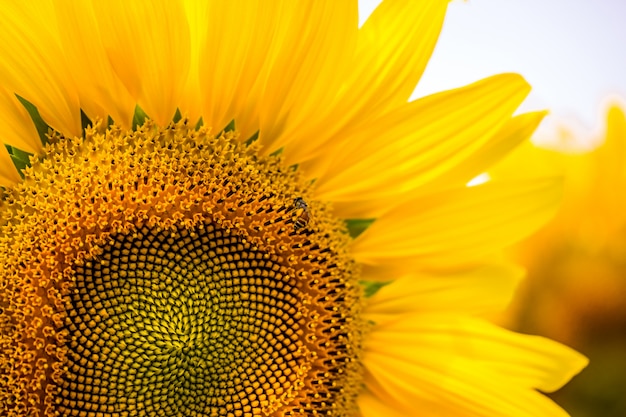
[{"x": 302, "y": 211}]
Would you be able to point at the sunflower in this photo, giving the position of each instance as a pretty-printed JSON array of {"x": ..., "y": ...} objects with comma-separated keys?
[
  {"x": 576, "y": 284},
  {"x": 231, "y": 208}
]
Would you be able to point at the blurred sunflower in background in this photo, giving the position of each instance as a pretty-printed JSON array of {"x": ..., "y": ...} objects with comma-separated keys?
[
  {"x": 230, "y": 208},
  {"x": 576, "y": 265}
]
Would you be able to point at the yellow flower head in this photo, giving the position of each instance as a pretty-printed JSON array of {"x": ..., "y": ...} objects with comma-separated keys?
[
  {"x": 230, "y": 209},
  {"x": 578, "y": 258},
  {"x": 575, "y": 287}
]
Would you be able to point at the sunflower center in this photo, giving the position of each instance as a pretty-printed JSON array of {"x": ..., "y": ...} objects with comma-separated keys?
[
  {"x": 171, "y": 272},
  {"x": 197, "y": 318}
]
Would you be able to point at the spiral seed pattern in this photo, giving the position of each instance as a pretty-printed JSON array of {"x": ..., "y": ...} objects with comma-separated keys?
[
  {"x": 158, "y": 272},
  {"x": 189, "y": 322}
]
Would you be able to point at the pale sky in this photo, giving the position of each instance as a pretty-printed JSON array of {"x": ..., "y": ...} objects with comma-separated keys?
[{"x": 572, "y": 52}]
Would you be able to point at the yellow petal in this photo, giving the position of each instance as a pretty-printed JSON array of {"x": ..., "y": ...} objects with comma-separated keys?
[
  {"x": 233, "y": 40},
  {"x": 418, "y": 390},
  {"x": 393, "y": 48},
  {"x": 288, "y": 60},
  {"x": 148, "y": 45},
  {"x": 8, "y": 172},
  {"x": 191, "y": 100},
  {"x": 599, "y": 187},
  {"x": 594, "y": 181},
  {"x": 528, "y": 361},
  {"x": 420, "y": 141},
  {"x": 370, "y": 406},
  {"x": 530, "y": 161},
  {"x": 458, "y": 225},
  {"x": 451, "y": 363},
  {"x": 308, "y": 68},
  {"x": 16, "y": 125},
  {"x": 478, "y": 290},
  {"x": 33, "y": 66},
  {"x": 101, "y": 92},
  {"x": 610, "y": 157},
  {"x": 514, "y": 132}
]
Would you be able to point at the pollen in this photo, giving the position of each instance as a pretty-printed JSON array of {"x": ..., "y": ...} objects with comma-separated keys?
[{"x": 169, "y": 272}]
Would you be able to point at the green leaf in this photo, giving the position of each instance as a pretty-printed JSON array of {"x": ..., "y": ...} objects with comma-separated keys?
[
  {"x": 358, "y": 226},
  {"x": 139, "y": 118},
  {"x": 371, "y": 287},
  {"x": 41, "y": 126}
]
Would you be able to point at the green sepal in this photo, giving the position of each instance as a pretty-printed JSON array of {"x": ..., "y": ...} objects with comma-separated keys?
[
  {"x": 139, "y": 117},
  {"x": 177, "y": 116},
  {"x": 277, "y": 152},
  {"x": 20, "y": 158},
  {"x": 110, "y": 122},
  {"x": 229, "y": 128},
  {"x": 371, "y": 287},
  {"x": 358, "y": 226},
  {"x": 252, "y": 138},
  {"x": 200, "y": 123},
  {"x": 41, "y": 126},
  {"x": 85, "y": 121}
]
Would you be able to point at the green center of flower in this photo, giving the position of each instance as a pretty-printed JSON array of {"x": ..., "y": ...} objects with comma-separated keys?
[{"x": 167, "y": 272}]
